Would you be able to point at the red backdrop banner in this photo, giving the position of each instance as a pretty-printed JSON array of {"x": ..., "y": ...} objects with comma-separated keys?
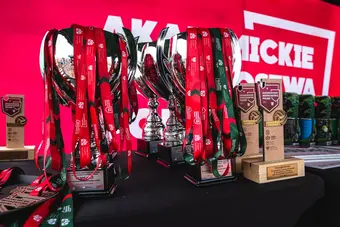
[{"x": 292, "y": 40}]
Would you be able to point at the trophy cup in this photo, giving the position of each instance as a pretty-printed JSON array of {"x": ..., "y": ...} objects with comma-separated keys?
[
  {"x": 105, "y": 112},
  {"x": 173, "y": 66},
  {"x": 153, "y": 128},
  {"x": 170, "y": 150}
]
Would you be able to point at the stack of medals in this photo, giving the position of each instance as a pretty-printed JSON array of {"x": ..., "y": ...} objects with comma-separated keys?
[
  {"x": 291, "y": 128},
  {"x": 323, "y": 122},
  {"x": 335, "y": 122},
  {"x": 307, "y": 120}
]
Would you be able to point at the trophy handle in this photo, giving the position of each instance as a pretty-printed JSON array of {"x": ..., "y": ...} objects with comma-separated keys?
[
  {"x": 132, "y": 50},
  {"x": 162, "y": 60},
  {"x": 42, "y": 56},
  {"x": 237, "y": 59}
]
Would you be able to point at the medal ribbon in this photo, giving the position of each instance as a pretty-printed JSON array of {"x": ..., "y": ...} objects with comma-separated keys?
[
  {"x": 211, "y": 151},
  {"x": 207, "y": 138},
  {"x": 228, "y": 61},
  {"x": 105, "y": 90},
  {"x": 225, "y": 109},
  {"x": 49, "y": 144},
  {"x": 81, "y": 131},
  {"x": 91, "y": 88},
  {"x": 124, "y": 116},
  {"x": 133, "y": 100},
  {"x": 193, "y": 98}
]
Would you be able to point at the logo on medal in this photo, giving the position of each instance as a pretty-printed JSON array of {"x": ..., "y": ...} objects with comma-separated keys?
[
  {"x": 11, "y": 106},
  {"x": 192, "y": 36},
  {"x": 90, "y": 42},
  {"x": 79, "y": 31},
  {"x": 37, "y": 218},
  {"x": 197, "y": 118},
  {"x": 108, "y": 106}
]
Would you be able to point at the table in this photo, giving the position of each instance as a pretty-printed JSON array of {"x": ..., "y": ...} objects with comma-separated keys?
[
  {"x": 156, "y": 196},
  {"x": 330, "y": 204}
]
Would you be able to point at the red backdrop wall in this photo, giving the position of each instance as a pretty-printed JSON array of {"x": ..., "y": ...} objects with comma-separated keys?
[{"x": 288, "y": 39}]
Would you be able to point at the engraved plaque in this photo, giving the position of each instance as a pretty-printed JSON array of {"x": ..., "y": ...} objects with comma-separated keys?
[{"x": 281, "y": 171}]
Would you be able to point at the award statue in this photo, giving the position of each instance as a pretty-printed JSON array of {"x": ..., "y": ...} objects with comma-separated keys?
[
  {"x": 13, "y": 107},
  {"x": 91, "y": 71},
  {"x": 153, "y": 128},
  {"x": 199, "y": 68}
]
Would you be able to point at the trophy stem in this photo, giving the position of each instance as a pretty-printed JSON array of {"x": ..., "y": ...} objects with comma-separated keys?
[
  {"x": 153, "y": 129},
  {"x": 171, "y": 134}
]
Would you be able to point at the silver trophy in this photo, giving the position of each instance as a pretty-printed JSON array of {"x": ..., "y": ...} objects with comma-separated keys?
[
  {"x": 64, "y": 81},
  {"x": 170, "y": 151},
  {"x": 153, "y": 128},
  {"x": 172, "y": 64}
]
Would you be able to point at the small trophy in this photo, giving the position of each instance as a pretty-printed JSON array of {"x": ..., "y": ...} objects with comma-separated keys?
[
  {"x": 13, "y": 107},
  {"x": 153, "y": 128},
  {"x": 95, "y": 140},
  {"x": 274, "y": 166}
]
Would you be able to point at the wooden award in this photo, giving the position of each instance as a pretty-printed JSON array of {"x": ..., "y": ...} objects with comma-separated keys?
[
  {"x": 273, "y": 166},
  {"x": 13, "y": 107},
  {"x": 250, "y": 117}
]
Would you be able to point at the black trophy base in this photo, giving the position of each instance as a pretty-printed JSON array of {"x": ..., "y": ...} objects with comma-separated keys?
[
  {"x": 169, "y": 156},
  {"x": 324, "y": 143},
  {"x": 202, "y": 176},
  {"x": 307, "y": 144},
  {"x": 147, "y": 148},
  {"x": 102, "y": 183},
  {"x": 335, "y": 142}
]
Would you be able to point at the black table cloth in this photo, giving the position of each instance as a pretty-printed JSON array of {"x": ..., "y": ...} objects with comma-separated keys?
[
  {"x": 156, "y": 196},
  {"x": 330, "y": 204}
]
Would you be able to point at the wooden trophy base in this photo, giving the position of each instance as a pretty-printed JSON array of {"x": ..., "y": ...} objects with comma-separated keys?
[
  {"x": 237, "y": 163},
  {"x": 203, "y": 176},
  {"x": 102, "y": 184},
  {"x": 147, "y": 148},
  {"x": 15, "y": 154},
  {"x": 264, "y": 172},
  {"x": 170, "y": 156}
]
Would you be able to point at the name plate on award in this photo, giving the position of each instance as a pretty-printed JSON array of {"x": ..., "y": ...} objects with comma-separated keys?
[
  {"x": 95, "y": 183},
  {"x": 223, "y": 168},
  {"x": 102, "y": 183},
  {"x": 281, "y": 171}
]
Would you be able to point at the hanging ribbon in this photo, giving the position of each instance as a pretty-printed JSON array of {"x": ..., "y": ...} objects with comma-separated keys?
[
  {"x": 193, "y": 114},
  {"x": 124, "y": 116},
  {"x": 228, "y": 61}
]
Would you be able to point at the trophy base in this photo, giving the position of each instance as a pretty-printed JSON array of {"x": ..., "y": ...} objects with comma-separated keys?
[
  {"x": 326, "y": 143},
  {"x": 335, "y": 142},
  {"x": 170, "y": 156},
  {"x": 307, "y": 144},
  {"x": 15, "y": 154},
  {"x": 237, "y": 163},
  {"x": 291, "y": 144},
  {"x": 147, "y": 148},
  {"x": 261, "y": 172},
  {"x": 102, "y": 184},
  {"x": 203, "y": 176}
]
